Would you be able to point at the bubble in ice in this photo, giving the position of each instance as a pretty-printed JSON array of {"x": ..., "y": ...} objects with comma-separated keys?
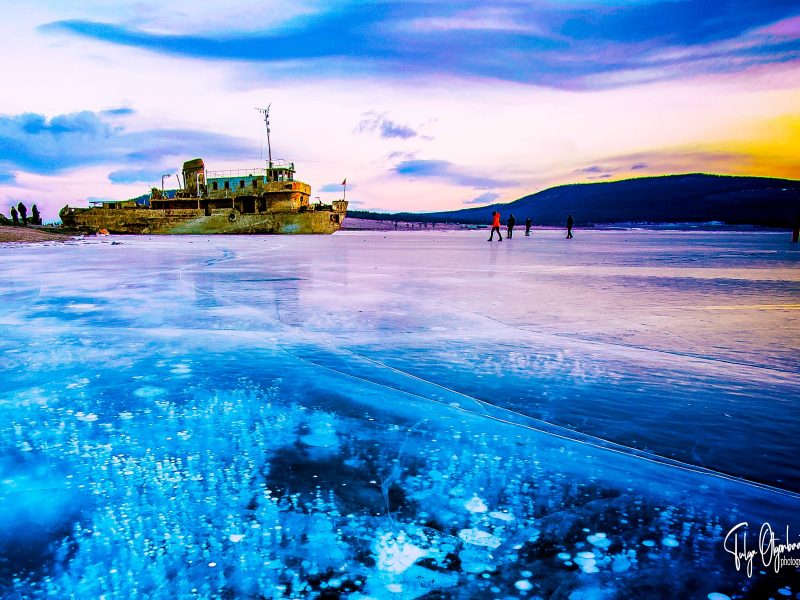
[
  {"x": 126, "y": 415},
  {"x": 477, "y": 537},
  {"x": 476, "y": 505},
  {"x": 78, "y": 384},
  {"x": 564, "y": 555},
  {"x": 181, "y": 369},
  {"x": 523, "y": 585},
  {"x": 236, "y": 537},
  {"x": 149, "y": 391},
  {"x": 502, "y": 516},
  {"x": 395, "y": 553},
  {"x": 586, "y": 561},
  {"x": 620, "y": 564},
  {"x": 475, "y": 567},
  {"x": 88, "y": 418},
  {"x": 670, "y": 542},
  {"x": 599, "y": 540},
  {"x": 718, "y": 596},
  {"x": 785, "y": 592},
  {"x": 395, "y": 588},
  {"x": 648, "y": 543}
]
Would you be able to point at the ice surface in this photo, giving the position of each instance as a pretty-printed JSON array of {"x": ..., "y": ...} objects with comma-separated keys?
[{"x": 395, "y": 415}]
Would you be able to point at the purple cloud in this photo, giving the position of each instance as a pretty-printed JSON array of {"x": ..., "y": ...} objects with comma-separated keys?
[
  {"x": 566, "y": 45},
  {"x": 386, "y": 128},
  {"x": 447, "y": 171},
  {"x": 485, "y": 198}
]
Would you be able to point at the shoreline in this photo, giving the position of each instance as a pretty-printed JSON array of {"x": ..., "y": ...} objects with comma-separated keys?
[{"x": 18, "y": 234}]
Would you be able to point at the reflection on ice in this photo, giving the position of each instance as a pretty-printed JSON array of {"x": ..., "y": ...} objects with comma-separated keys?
[{"x": 222, "y": 423}]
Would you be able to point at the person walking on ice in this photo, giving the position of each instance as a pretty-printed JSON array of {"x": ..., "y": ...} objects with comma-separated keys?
[
  {"x": 528, "y": 224},
  {"x": 570, "y": 222},
  {"x": 495, "y": 227},
  {"x": 510, "y": 224}
]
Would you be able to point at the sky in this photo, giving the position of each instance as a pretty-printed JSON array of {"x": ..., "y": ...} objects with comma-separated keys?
[{"x": 421, "y": 105}]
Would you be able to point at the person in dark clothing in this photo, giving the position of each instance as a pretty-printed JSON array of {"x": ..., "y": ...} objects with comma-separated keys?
[
  {"x": 570, "y": 222},
  {"x": 495, "y": 227},
  {"x": 14, "y": 216},
  {"x": 23, "y": 213},
  {"x": 528, "y": 224},
  {"x": 796, "y": 229},
  {"x": 510, "y": 224},
  {"x": 36, "y": 218}
]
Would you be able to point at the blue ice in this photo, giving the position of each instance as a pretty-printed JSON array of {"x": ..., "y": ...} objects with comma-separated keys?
[{"x": 392, "y": 415}]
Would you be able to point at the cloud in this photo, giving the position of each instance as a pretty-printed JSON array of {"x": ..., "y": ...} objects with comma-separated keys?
[
  {"x": 400, "y": 155},
  {"x": 152, "y": 176},
  {"x": 118, "y": 112},
  {"x": 485, "y": 198},
  {"x": 334, "y": 187},
  {"x": 595, "y": 169},
  {"x": 386, "y": 128},
  {"x": 598, "y": 171},
  {"x": 552, "y": 43},
  {"x": 37, "y": 144},
  {"x": 680, "y": 160},
  {"x": 447, "y": 171},
  {"x": 7, "y": 177}
]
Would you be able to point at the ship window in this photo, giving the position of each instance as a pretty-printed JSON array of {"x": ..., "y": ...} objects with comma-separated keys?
[
  {"x": 241, "y": 184},
  {"x": 214, "y": 186},
  {"x": 255, "y": 183},
  {"x": 227, "y": 184}
]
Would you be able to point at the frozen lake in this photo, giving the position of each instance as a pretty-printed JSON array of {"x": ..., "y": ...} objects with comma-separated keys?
[{"x": 395, "y": 414}]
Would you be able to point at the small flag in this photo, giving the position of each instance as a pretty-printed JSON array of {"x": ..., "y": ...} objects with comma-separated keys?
[{"x": 345, "y": 181}]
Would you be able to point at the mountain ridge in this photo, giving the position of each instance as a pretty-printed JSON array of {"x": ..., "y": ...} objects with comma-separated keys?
[{"x": 678, "y": 198}]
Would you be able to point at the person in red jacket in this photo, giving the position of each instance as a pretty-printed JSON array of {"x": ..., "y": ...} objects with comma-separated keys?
[{"x": 495, "y": 227}]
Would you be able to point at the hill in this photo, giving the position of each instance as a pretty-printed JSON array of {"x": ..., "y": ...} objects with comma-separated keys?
[{"x": 690, "y": 198}]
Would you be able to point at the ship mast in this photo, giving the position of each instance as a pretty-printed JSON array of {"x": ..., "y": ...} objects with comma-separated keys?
[{"x": 265, "y": 112}]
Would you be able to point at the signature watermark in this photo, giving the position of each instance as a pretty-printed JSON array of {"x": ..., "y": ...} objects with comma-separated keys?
[{"x": 773, "y": 552}]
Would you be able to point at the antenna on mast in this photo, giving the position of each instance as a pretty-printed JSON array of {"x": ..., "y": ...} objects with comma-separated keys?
[{"x": 265, "y": 112}]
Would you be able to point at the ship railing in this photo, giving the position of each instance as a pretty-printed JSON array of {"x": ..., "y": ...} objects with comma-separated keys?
[
  {"x": 276, "y": 164},
  {"x": 235, "y": 173}
]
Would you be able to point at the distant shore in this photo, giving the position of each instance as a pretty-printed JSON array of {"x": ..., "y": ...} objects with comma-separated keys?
[
  {"x": 29, "y": 235},
  {"x": 360, "y": 224}
]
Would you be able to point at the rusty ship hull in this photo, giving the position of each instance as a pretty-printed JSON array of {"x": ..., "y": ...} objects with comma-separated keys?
[
  {"x": 245, "y": 201},
  {"x": 196, "y": 221}
]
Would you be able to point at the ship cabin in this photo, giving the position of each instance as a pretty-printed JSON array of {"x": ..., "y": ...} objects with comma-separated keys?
[
  {"x": 115, "y": 204},
  {"x": 249, "y": 191}
]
